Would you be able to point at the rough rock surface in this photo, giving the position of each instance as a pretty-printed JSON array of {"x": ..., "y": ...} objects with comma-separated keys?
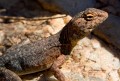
[
  {"x": 67, "y": 6},
  {"x": 73, "y": 7},
  {"x": 112, "y": 6},
  {"x": 7, "y": 3}
]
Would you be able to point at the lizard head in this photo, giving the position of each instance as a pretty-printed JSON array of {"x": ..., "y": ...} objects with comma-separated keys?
[
  {"x": 82, "y": 24},
  {"x": 88, "y": 20}
]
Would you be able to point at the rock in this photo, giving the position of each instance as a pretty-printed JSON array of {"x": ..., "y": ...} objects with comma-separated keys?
[
  {"x": 116, "y": 63},
  {"x": 27, "y": 41},
  {"x": 70, "y": 6},
  {"x": 110, "y": 30},
  {"x": 111, "y": 6},
  {"x": 94, "y": 79},
  {"x": 67, "y": 19},
  {"x": 95, "y": 44},
  {"x": 46, "y": 31},
  {"x": 114, "y": 76},
  {"x": 74, "y": 76},
  {"x": 2, "y": 36},
  {"x": 105, "y": 60},
  {"x": 20, "y": 27},
  {"x": 93, "y": 57},
  {"x": 1, "y": 53},
  {"x": 95, "y": 63},
  {"x": 7, "y": 3},
  {"x": 104, "y": 1},
  {"x": 110, "y": 9},
  {"x": 56, "y": 24},
  {"x": 115, "y": 3},
  {"x": 96, "y": 66},
  {"x": 118, "y": 72}
]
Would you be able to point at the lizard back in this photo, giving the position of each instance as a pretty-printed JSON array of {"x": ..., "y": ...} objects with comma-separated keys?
[{"x": 33, "y": 57}]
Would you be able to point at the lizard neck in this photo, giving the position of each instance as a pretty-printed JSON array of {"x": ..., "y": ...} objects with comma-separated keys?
[{"x": 69, "y": 36}]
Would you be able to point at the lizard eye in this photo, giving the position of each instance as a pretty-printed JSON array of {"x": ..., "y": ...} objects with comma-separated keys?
[{"x": 89, "y": 17}]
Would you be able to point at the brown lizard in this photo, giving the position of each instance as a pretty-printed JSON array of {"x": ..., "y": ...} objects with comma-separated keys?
[{"x": 49, "y": 53}]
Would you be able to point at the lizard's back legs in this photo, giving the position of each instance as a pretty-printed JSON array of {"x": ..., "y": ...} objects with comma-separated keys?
[
  {"x": 7, "y": 75},
  {"x": 55, "y": 68}
]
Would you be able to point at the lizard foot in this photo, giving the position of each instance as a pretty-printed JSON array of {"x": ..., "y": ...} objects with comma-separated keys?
[
  {"x": 55, "y": 68},
  {"x": 7, "y": 75}
]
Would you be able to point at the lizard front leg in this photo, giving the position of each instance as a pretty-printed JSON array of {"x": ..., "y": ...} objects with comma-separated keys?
[
  {"x": 55, "y": 68},
  {"x": 7, "y": 75}
]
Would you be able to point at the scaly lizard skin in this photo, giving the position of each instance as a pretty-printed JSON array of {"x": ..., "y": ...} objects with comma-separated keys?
[{"x": 48, "y": 53}]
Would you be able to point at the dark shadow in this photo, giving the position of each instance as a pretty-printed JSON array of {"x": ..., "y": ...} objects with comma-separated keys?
[
  {"x": 42, "y": 76},
  {"x": 23, "y": 8}
]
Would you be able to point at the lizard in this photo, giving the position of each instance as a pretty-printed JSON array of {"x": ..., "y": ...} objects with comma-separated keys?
[{"x": 49, "y": 53}]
